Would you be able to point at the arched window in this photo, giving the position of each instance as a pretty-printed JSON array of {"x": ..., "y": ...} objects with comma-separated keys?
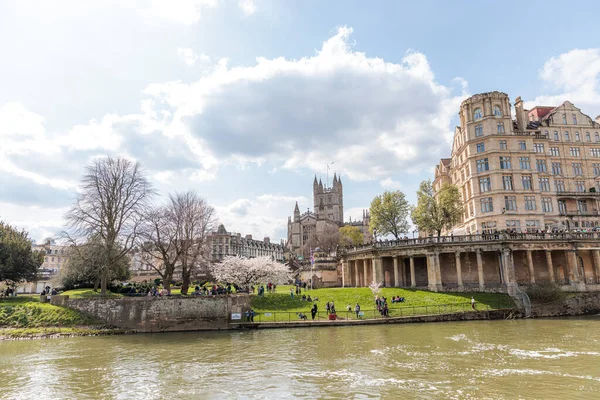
[
  {"x": 588, "y": 138},
  {"x": 477, "y": 114},
  {"x": 500, "y": 127},
  {"x": 478, "y": 130},
  {"x": 577, "y": 137},
  {"x": 497, "y": 111},
  {"x": 597, "y": 137},
  {"x": 567, "y": 138},
  {"x": 556, "y": 138}
]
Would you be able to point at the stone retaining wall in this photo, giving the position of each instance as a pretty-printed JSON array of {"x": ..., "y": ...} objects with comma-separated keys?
[
  {"x": 161, "y": 314},
  {"x": 576, "y": 304}
]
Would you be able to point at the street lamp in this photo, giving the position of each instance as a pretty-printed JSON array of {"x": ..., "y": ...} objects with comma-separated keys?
[{"x": 374, "y": 235}]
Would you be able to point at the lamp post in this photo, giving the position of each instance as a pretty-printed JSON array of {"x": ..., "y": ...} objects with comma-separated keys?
[{"x": 374, "y": 235}]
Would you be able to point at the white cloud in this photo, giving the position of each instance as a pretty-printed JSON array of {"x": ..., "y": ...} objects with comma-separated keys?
[
  {"x": 247, "y": 6},
  {"x": 573, "y": 76},
  {"x": 187, "y": 55},
  {"x": 389, "y": 183},
  {"x": 181, "y": 11}
]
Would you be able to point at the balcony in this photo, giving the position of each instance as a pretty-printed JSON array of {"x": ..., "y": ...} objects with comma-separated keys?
[
  {"x": 592, "y": 195},
  {"x": 575, "y": 213}
]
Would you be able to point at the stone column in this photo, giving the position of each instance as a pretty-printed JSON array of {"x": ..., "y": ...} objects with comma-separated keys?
[
  {"x": 396, "y": 273},
  {"x": 403, "y": 264},
  {"x": 413, "y": 278},
  {"x": 509, "y": 275},
  {"x": 458, "y": 271},
  {"x": 530, "y": 265},
  {"x": 366, "y": 271},
  {"x": 344, "y": 270},
  {"x": 433, "y": 272},
  {"x": 480, "y": 270},
  {"x": 377, "y": 272},
  {"x": 573, "y": 268},
  {"x": 549, "y": 265},
  {"x": 596, "y": 255}
]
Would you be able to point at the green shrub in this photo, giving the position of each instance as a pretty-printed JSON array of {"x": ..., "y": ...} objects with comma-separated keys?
[{"x": 545, "y": 293}]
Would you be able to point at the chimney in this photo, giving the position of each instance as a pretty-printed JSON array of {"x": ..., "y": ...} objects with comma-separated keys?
[
  {"x": 521, "y": 115},
  {"x": 249, "y": 237},
  {"x": 267, "y": 240}
]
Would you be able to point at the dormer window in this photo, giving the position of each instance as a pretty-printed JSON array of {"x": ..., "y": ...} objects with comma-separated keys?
[
  {"x": 477, "y": 114},
  {"x": 497, "y": 111}
]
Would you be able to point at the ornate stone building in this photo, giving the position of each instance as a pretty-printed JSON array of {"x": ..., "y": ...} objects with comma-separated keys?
[
  {"x": 539, "y": 171},
  {"x": 328, "y": 212},
  {"x": 225, "y": 243}
]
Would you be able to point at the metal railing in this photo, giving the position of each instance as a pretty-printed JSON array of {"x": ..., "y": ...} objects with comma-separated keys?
[{"x": 393, "y": 312}]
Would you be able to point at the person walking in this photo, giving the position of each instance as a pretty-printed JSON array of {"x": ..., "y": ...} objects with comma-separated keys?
[
  {"x": 357, "y": 310},
  {"x": 473, "y": 302},
  {"x": 292, "y": 293},
  {"x": 313, "y": 311}
]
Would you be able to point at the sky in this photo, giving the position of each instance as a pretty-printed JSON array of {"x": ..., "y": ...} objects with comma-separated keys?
[{"x": 245, "y": 101}]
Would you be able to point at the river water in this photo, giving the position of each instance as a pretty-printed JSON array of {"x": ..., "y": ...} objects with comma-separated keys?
[{"x": 525, "y": 359}]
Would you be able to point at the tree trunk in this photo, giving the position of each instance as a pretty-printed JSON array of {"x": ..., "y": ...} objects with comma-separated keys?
[
  {"x": 167, "y": 281},
  {"x": 185, "y": 280},
  {"x": 439, "y": 232},
  {"x": 96, "y": 285},
  {"x": 103, "y": 282}
]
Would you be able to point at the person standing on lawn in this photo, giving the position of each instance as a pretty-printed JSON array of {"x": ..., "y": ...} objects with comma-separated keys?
[
  {"x": 357, "y": 310},
  {"x": 313, "y": 311},
  {"x": 472, "y": 302}
]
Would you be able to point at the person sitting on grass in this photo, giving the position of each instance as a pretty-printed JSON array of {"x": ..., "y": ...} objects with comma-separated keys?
[
  {"x": 302, "y": 316},
  {"x": 308, "y": 298}
]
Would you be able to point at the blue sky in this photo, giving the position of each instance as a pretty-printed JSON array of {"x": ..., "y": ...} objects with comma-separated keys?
[{"x": 245, "y": 101}]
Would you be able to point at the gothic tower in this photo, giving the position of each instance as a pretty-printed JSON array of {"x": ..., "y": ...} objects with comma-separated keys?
[{"x": 329, "y": 201}]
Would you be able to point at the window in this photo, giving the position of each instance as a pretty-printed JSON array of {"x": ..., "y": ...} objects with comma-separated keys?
[
  {"x": 562, "y": 207},
  {"x": 478, "y": 131},
  {"x": 538, "y": 147},
  {"x": 596, "y": 169},
  {"x": 556, "y": 168},
  {"x": 530, "y": 203},
  {"x": 577, "y": 169},
  {"x": 477, "y": 114},
  {"x": 595, "y": 152},
  {"x": 488, "y": 227},
  {"x": 485, "y": 184},
  {"x": 482, "y": 165},
  {"x": 526, "y": 181},
  {"x": 510, "y": 203},
  {"x": 480, "y": 147},
  {"x": 574, "y": 119},
  {"x": 507, "y": 182},
  {"x": 577, "y": 137},
  {"x": 497, "y": 111},
  {"x": 541, "y": 166},
  {"x": 559, "y": 185},
  {"x": 532, "y": 224},
  {"x": 487, "y": 205},
  {"x": 544, "y": 184},
  {"x": 503, "y": 145},
  {"x": 565, "y": 119},
  {"x": 582, "y": 206},
  {"x": 556, "y": 136},
  {"x": 513, "y": 225},
  {"x": 500, "y": 127},
  {"x": 504, "y": 162},
  {"x": 574, "y": 151},
  {"x": 546, "y": 204},
  {"x": 588, "y": 138},
  {"x": 554, "y": 152},
  {"x": 522, "y": 145},
  {"x": 597, "y": 136},
  {"x": 579, "y": 186},
  {"x": 524, "y": 163}
]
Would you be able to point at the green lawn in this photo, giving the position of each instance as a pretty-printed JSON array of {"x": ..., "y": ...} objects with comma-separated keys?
[
  {"x": 282, "y": 307},
  {"x": 87, "y": 293},
  {"x": 28, "y": 312}
]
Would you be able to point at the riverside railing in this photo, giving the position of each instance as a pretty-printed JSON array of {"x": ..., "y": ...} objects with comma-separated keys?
[
  {"x": 485, "y": 237},
  {"x": 407, "y": 311}
]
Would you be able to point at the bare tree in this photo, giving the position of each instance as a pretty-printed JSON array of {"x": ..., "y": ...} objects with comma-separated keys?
[
  {"x": 176, "y": 235},
  {"x": 114, "y": 195}
]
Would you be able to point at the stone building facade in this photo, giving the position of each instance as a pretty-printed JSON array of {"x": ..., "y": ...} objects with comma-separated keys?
[
  {"x": 223, "y": 244},
  {"x": 328, "y": 213},
  {"x": 55, "y": 258},
  {"x": 540, "y": 171}
]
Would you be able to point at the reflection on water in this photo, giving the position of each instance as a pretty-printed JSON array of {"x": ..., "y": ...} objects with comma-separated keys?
[{"x": 537, "y": 359}]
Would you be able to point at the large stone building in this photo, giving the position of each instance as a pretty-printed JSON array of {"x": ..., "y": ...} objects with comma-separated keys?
[
  {"x": 223, "y": 244},
  {"x": 328, "y": 213},
  {"x": 539, "y": 171},
  {"x": 54, "y": 259}
]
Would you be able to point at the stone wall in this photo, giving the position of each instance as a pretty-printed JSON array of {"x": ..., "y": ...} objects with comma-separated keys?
[
  {"x": 160, "y": 314},
  {"x": 576, "y": 304}
]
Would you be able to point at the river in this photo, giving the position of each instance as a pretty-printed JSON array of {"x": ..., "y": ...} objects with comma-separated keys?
[{"x": 527, "y": 359}]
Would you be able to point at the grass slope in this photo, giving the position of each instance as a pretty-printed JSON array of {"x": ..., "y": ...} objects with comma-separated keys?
[
  {"x": 28, "y": 312},
  {"x": 87, "y": 293},
  {"x": 417, "y": 302}
]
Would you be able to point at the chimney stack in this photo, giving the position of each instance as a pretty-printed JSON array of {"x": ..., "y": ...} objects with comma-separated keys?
[{"x": 521, "y": 115}]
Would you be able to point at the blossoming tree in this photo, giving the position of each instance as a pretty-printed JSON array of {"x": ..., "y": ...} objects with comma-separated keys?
[{"x": 248, "y": 271}]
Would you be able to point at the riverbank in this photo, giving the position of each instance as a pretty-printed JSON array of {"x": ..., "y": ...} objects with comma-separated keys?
[{"x": 25, "y": 317}]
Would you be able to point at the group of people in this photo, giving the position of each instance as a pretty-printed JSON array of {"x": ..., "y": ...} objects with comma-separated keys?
[
  {"x": 382, "y": 306},
  {"x": 398, "y": 299}
]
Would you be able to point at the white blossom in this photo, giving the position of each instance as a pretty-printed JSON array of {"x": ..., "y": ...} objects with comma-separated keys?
[{"x": 248, "y": 271}]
